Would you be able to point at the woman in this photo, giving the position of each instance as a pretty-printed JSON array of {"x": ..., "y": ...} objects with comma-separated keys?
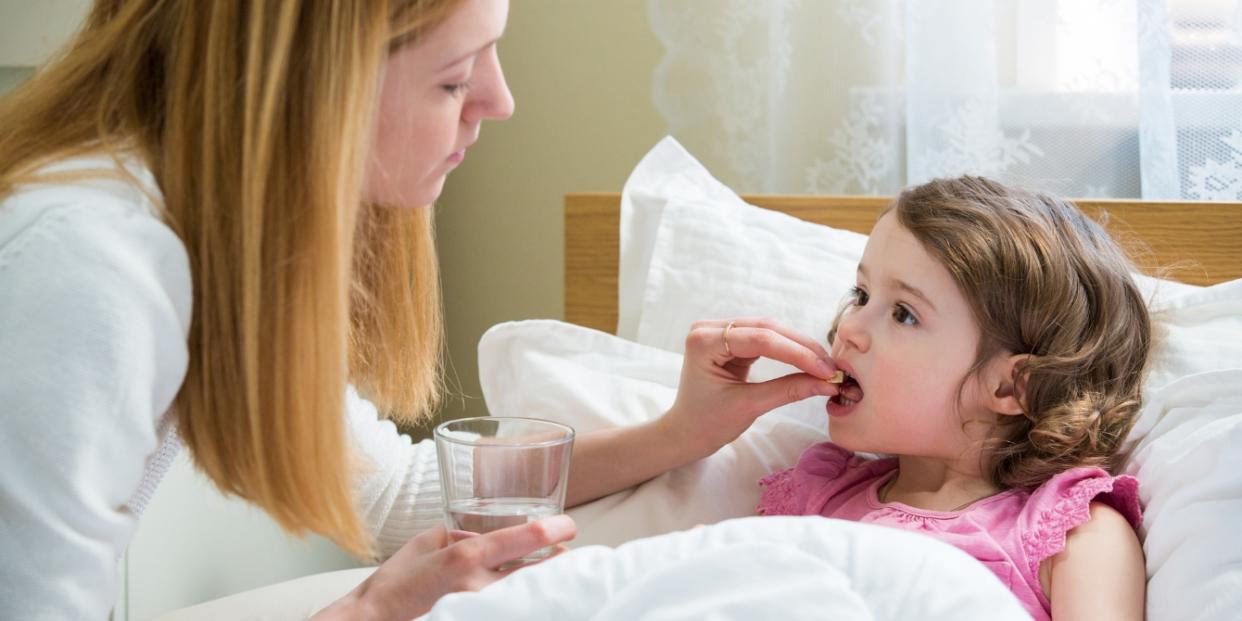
[{"x": 212, "y": 233}]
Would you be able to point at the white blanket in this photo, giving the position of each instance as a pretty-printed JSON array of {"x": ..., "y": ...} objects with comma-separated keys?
[{"x": 750, "y": 568}]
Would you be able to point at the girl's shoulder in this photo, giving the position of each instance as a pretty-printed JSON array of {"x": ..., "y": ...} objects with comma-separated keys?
[
  {"x": 825, "y": 474},
  {"x": 1063, "y": 503}
]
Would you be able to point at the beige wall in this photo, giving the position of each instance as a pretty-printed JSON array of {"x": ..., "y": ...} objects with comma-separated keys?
[
  {"x": 30, "y": 30},
  {"x": 580, "y": 72}
]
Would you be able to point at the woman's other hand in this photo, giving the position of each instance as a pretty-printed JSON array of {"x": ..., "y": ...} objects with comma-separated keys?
[
  {"x": 437, "y": 562},
  {"x": 715, "y": 402}
]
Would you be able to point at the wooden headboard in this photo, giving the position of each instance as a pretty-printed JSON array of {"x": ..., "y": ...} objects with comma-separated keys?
[{"x": 1200, "y": 243}]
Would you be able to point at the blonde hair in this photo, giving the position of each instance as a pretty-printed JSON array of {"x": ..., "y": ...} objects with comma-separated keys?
[
  {"x": 256, "y": 119},
  {"x": 1041, "y": 279}
]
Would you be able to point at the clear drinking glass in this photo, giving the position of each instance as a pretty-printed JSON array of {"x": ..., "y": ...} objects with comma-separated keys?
[{"x": 502, "y": 471}]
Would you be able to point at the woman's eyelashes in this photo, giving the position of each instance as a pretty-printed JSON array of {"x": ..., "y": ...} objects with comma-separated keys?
[
  {"x": 902, "y": 314},
  {"x": 458, "y": 88}
]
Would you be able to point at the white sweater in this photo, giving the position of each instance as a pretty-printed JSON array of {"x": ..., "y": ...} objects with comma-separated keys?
[{"x": 95, "y": 299}]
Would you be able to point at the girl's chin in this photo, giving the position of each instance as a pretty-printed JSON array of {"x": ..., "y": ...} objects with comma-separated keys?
[{"x": 845, "y": 440}]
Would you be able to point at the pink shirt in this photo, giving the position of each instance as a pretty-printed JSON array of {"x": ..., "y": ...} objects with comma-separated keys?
[{"x": 1010, "y": 533}]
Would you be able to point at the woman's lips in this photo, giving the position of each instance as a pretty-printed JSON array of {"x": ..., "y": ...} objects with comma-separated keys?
[{"x": 457, "y": 156}]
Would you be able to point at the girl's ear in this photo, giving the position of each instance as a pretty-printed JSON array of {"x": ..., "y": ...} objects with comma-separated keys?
[{"x": 1006, "y": 383}]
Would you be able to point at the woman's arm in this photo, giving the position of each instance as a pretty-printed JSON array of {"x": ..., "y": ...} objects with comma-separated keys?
[
  {"x": 94, "y": 304},
  {"x": 714, "y": 405},
  {"x": 1100, "y": 574},
  {"x": 398, "y": 492}
]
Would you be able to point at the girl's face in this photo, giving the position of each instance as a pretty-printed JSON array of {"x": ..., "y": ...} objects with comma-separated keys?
[
  {"x": 434, "y": 95},
  {"x": 908, "y": 340}
]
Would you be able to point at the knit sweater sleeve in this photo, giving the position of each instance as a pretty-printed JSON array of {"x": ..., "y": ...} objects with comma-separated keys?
[
  {"x": 94, "y": 308},
  {"x": 398, "y": 489}
]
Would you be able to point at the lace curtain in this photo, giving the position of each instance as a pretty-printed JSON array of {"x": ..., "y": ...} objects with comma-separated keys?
[{"x": 1084, "y": 98}]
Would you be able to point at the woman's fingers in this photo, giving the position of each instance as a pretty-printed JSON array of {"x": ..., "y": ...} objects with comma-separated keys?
[
  {"x": 501, "y": 546},
  {"x": 796, "y": 337},
  {"x": 767, "y": 323},
  {"x": 460, "y": 535},
  {"x": 557, "y": 551},
  {"x": 788, "y": 389},
  {"x": 754, "y": 342},
  {"x": 439, "y": 561},
  {"x": 429, "y": 540}
]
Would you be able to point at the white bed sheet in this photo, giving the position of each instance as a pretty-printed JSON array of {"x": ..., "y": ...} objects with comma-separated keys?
[{"x": 752, "y": 568}]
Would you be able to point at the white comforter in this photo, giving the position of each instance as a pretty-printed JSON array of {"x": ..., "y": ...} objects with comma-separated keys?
[{"x": 750, "y": 568}]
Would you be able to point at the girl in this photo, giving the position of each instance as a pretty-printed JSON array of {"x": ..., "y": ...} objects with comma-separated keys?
[
  {"x": 212, "y": 233},
  {"x": 993, "y": 347}
]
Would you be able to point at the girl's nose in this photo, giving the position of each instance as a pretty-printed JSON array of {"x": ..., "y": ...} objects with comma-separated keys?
[
  {"x": 852, "y": 330},
  {"x": 489, "y": 96}
]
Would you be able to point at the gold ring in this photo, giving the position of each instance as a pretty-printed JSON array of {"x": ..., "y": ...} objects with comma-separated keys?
[{"x": 725, "y": 337}]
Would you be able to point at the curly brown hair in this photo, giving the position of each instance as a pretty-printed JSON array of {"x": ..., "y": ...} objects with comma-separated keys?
[{"x": 1041, "y": 279}]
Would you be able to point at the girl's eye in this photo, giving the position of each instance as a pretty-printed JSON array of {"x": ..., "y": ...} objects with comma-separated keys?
[
  {"x": 858, "y": 296},
  {"x": 902, "y": 315}
]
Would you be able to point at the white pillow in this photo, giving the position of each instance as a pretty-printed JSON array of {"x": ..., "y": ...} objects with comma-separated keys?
[
  {"x": 722, "y": 260},
  {"x": 1189, "y": 463},
  {"x": 591, "y": 380},
  {"x": 667, "y": 173},
  {"x": 1197, "y": 331}
]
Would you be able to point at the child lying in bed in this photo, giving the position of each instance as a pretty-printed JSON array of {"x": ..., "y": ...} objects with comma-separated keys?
[{"x": 993, "y": 349}]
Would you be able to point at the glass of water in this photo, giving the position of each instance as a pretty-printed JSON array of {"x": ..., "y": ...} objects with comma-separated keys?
[{"x": 502, "y": 471}]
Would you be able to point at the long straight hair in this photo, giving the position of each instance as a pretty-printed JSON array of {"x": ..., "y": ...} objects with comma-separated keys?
[{"x": 255, "y": 119}]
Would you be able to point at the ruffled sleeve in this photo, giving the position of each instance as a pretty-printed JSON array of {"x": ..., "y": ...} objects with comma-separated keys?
[
  {"x": 824, "y": 472},
  {"x": 780, "y": 494},
  {"x": 398, "y": 495},
  {"x": 1064, "y": 503}
]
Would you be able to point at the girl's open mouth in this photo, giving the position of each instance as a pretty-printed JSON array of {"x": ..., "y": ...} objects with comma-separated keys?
[{"x": 850, "y": 392}]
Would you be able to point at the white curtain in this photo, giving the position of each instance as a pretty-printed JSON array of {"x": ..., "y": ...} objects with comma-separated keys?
[{"x": 1084, "y": 98}]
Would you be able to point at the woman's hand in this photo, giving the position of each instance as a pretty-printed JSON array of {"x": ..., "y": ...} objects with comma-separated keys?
[
  {"x": 437, "y": 562},
  {"x": 715, "y": 403}
]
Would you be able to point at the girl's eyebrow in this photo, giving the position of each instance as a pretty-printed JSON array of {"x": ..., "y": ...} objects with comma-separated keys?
[
  {"x": 904, "y": 286},
  {"x": 912, "y": 290}
]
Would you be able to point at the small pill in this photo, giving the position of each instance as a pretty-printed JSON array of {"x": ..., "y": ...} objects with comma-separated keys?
[{"x": 836, "y": 378}]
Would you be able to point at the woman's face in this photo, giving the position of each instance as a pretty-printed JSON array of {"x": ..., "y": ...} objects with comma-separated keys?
[{"x": 435, "y": 94}]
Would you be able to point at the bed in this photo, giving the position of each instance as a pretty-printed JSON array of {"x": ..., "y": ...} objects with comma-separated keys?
[{"x": 675, "y": 246}]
